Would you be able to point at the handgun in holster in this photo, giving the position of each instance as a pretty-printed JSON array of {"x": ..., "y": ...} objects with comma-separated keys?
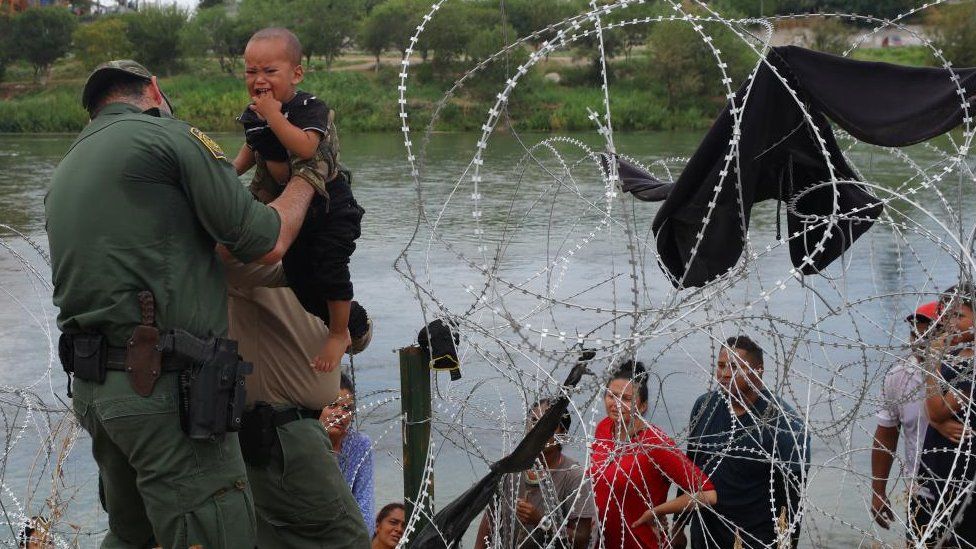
[{"x": 212, "y": 391}]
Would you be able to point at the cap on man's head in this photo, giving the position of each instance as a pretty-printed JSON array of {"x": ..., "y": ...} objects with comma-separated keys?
[
  {"x": 103, "y": 75},
  {"x": 925, "y": 313}
]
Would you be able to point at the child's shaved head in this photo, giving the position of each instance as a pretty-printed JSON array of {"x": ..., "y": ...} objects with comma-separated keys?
[{"x": 293, "y": 48}]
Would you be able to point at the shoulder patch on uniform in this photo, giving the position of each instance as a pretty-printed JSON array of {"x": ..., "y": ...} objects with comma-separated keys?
[{"x": 209, "y": 143}]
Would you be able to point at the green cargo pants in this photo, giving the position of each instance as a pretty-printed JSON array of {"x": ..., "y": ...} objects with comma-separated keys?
[
  {"x": 158, "y": 484},
  {"x": 301, "y": 499}
]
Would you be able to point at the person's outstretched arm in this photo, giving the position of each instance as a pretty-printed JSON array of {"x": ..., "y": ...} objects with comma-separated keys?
[
  {"x": 882, "y": 456},
  {"x": 675, "y": 465}
]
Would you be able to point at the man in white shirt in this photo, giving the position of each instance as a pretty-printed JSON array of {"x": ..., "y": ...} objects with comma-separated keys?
[{"x": 902, "y": 398}]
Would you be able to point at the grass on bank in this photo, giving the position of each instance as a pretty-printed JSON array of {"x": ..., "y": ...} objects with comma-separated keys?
[
  {"x": 366, "y": 101},
  {"x": 916, "y": 56}
]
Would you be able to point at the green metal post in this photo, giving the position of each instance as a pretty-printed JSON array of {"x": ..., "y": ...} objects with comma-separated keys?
[{"x": 415, "y": 403}]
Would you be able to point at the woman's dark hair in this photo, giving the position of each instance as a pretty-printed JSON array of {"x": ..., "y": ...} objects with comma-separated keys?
[
  {"x": 345, "y": 382},
  {"x": 634, "y": 372},
  {"x": 387, "y": 510}
]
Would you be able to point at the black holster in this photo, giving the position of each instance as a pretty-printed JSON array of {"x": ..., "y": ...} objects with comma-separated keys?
[
  {"x": 83, "y": 355},
  {"x": 259, "y": 435},
  {"x": 212, "y": 388}
]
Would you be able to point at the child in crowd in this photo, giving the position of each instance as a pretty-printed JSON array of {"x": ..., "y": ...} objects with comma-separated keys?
[{"x": 282, "y": 124}]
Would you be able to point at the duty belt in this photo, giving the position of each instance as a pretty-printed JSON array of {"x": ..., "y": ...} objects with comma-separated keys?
[
  {"x": 115, "y": 360},
  {"x": 284, "y": 417}
]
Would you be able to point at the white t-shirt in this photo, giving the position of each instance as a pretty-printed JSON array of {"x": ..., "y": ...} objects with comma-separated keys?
[{"x": 902, "y": 395}]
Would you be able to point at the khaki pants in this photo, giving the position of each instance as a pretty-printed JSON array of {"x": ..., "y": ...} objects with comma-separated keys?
[
  {"x": 301, "y": 499},
  {"x": 160, "y": 487}
]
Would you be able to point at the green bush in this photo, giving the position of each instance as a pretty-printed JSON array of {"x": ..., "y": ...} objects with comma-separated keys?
[
  {"x": 7, "y": 53},
  {"x": 451, "y": 29},
  {"x": 748, "y": 8},
  {"x": 529, "y": 16},
  {"x": 41, "y": 36},
  {"x": 491, "y": 79},
  {"x": 53, "y": 110},
  {"x": 954, "y": 31},
  {"x": 390, "y": 25},
  {"x": 685, "y": 68},
  {"x": 100, "y": 41},
  {"x": 879, "y": 8},
  {"x": 214, "y": 31},
  {"x": 588, "y": 47},
  {"x": 830, "y": 35},
  {"x": 326, "y": 27},
  {"x": 155, "y": 34}
]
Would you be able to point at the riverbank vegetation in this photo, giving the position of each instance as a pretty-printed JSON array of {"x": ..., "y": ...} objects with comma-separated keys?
[{"x": 662, "y": 75}]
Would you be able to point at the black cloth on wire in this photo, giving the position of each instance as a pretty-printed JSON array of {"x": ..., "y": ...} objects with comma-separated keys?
[
  {"x": 450, "y": 524},
  {"x": 636, "y": 180},
  {"x": 780, "y": 157}
]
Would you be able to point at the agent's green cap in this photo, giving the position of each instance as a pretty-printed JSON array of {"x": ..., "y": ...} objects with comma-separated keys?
[{"x": 103, "y": 75}]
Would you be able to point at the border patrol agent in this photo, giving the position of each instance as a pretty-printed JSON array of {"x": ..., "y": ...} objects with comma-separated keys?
[
  {"x": 134, "y": 211},
  {"x": 301, "y": 499}
]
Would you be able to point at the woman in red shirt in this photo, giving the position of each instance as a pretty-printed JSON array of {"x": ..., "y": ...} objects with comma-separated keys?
[{"x": 633, "y": 464}]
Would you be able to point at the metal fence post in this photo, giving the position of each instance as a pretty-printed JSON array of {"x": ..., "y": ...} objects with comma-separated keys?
[{"x": 415, "y": 397}]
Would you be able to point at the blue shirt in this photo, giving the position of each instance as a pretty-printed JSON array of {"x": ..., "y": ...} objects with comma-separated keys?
[
  {"x": 741, "y": 456},
  {"x": 356, "y": 464}
]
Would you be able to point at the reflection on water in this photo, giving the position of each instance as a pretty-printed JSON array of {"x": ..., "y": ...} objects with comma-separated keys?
[{"x": 828, "y": 345}]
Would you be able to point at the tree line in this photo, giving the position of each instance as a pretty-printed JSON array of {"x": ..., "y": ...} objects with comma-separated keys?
[{"x": 169, "y": 39}]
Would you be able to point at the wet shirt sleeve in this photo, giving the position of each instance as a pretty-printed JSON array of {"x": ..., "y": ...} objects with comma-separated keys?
[{"x": 227, "y": 212}]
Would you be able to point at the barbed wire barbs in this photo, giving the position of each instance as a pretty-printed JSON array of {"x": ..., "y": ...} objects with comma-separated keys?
[{"x": 523, "y": 317}]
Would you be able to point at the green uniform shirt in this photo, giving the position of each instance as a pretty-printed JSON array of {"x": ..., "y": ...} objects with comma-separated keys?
[{"x": 138, "y": 203}]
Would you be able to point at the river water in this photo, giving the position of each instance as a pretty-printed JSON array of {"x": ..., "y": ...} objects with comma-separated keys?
[{"x": 828, "y": 344}]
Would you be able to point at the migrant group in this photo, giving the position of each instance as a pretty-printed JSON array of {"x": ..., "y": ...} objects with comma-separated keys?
[{"x": 167, "y": 271}]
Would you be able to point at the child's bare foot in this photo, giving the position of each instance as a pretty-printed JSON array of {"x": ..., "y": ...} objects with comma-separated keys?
[{"x": 331, "y": 354}]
